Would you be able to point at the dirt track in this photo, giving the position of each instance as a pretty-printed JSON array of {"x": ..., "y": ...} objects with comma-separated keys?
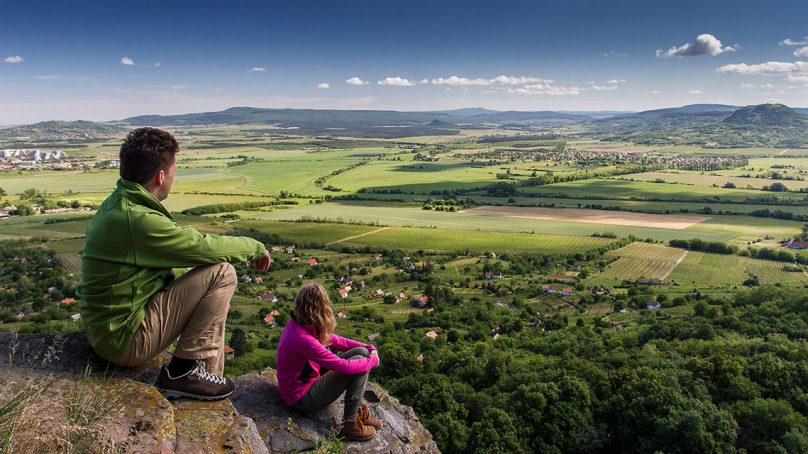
[{"x": 660, "y": 221}]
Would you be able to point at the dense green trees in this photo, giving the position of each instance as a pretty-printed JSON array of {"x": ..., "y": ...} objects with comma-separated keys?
[{"x": 733, "y": 376}]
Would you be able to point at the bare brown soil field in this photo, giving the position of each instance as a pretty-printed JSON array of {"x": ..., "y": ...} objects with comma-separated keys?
[{"x": 661, "y": 221}]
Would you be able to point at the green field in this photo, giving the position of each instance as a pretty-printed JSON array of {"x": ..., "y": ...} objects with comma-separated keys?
[
  {"x": 415, "y": 176},
  {"x": 798, "y": 163},
  {"x": 699, "y": 179},
  {"x": 716, "y": 228},
  {"x": 294, "y": 177},
  {"x": 689, "y": 269},
  {"x": 701, "y": 270},
  {"x": 645, "y": 206},
  {"x": 59, "y": 182},
  {"x": 34, "y": 227},
  {"x": 746, "y": 228},
  {"x": 430, "y": 239},
  {"x": 307, "y": 232},
  {"x": 751, "y": 151},
  {"x": 447, "y": 240},
  {"x": 620, "y": 189}
]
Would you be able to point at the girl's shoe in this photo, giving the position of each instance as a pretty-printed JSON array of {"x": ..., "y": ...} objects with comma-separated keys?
[
  {"x": 367, "y": 419},
  {"x": 356, "y": 431}
]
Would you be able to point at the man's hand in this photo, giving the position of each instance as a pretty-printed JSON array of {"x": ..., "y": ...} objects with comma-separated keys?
[
  {"x": 262, "y": 265},
  {"x": 376, "y": 354}
]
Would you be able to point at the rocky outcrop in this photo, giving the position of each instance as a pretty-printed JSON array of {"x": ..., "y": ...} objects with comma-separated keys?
[{"x": 119, "y": 410}]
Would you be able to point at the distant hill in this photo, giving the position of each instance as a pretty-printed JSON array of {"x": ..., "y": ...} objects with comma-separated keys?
[
  {"x": 467, "y": 112},
  {"x": 766, "y": 115},
  {"x": 301, "y": 118},
  {"x": 597, "y": 114},
  {"x": 519, "y": 116},
  {"x": 358, "y": 123},
  {"x": 64, "y": 130},
  {"x": 668, "y": 119},
  {"x": 441, "y": 124},
  {"x": 695, "y": 110},
  {"x": 711, "y": 126},
  {"x": 363, "y": 123}
]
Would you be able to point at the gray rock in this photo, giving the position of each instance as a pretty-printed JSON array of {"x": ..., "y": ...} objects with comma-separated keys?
[
  {"x": 285, "y": 431},
  {"x": 69, "y": 354},
  {"x": 137, "y": 418}
]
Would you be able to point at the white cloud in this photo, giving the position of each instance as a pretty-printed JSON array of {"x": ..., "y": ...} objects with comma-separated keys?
[
  {"x": 356, "y": 81},
  {"x": 396, "y": 81},
  {"x": 768, "y": 68},
  {"x": 746, "y": 85},
  {"x": 795, "y": 78},
  {"x": 613, "y": 53},
  {"x": 13, "y": 59},
  {"x": 323, "y": 85},
  {"x": 257, "y": 69},
  {"x": 655, "y": 92},
  {"x": 457, "y": 81},
  {"x": 511, "y": 80},
  {"x": 704, "y": 44},
  {"x": 546, "y": 89},
  {"x": 695, "y": 92},
  {"x": 48, "y": 77},
  {"x": 801, "y": 52},
  {"x": 156, "y": 64},
  {"x": 423, "y": 81},
  {"x": 792, "y": 42},
  {"x": 612, "y": 84},
  {"x": 127, "y": 61}
]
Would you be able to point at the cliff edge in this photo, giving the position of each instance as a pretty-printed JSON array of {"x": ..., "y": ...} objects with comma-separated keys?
[{"x": 57, "y": 395}]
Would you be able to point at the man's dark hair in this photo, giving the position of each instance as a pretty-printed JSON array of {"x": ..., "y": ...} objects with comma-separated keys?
[{"x": 145, "y": 151}]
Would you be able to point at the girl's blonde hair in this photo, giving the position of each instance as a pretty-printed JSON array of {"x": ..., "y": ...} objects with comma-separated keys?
[{"x": 312, "y": 307}]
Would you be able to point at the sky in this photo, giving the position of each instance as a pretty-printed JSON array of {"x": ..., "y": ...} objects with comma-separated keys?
[{"x": 107, "y": 60}]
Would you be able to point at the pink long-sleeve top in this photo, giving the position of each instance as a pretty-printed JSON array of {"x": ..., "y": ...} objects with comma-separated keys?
[{"x": 299, "y": 346}]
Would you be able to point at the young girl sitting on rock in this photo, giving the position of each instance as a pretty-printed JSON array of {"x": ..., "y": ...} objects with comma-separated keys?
[{"x": 305, "y": 348}]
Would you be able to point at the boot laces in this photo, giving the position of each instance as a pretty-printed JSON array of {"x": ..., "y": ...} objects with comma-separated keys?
[
  {"x": 363, "y": 413},
  {"x": 359, "y": 423},
  {"x": 207, "y": 376}
]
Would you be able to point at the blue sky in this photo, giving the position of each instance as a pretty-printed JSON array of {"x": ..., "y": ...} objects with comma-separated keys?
[{"x": 109, "y": 60}]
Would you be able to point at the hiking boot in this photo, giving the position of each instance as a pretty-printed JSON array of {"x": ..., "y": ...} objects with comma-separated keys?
[
  {"x": 356, "y": 431},
  {"x": 194, "y": 384},
  {"x": 364, "y": 416}
]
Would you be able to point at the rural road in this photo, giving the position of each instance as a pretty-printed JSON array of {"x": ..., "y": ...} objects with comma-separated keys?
[
  {"x": 675, "y": 265},
  {"x": 356, "y": 236}
]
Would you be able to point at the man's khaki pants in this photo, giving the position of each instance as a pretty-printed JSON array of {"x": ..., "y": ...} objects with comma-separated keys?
[{"x": 192, "y": 308}]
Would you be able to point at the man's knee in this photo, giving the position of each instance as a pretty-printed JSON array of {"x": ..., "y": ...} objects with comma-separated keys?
[{"x": 228, "y": 273}]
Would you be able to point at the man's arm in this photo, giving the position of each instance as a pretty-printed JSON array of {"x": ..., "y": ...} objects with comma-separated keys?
[{"x": 159, "y": 242}]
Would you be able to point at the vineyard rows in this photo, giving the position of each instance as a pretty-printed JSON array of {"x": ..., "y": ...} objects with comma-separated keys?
[
  {"x": 71, "y": 261},
  {"x": 688, "y": 268},
  {"x": 640, "y": 261},
  {"x": 713, "y": 270}
]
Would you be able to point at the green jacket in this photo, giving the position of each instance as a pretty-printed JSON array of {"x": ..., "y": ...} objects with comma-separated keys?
[{"x": 131, "y": 248}]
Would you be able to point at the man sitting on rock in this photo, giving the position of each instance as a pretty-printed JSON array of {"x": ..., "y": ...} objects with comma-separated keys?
[{"x": 132, "y": 304}]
